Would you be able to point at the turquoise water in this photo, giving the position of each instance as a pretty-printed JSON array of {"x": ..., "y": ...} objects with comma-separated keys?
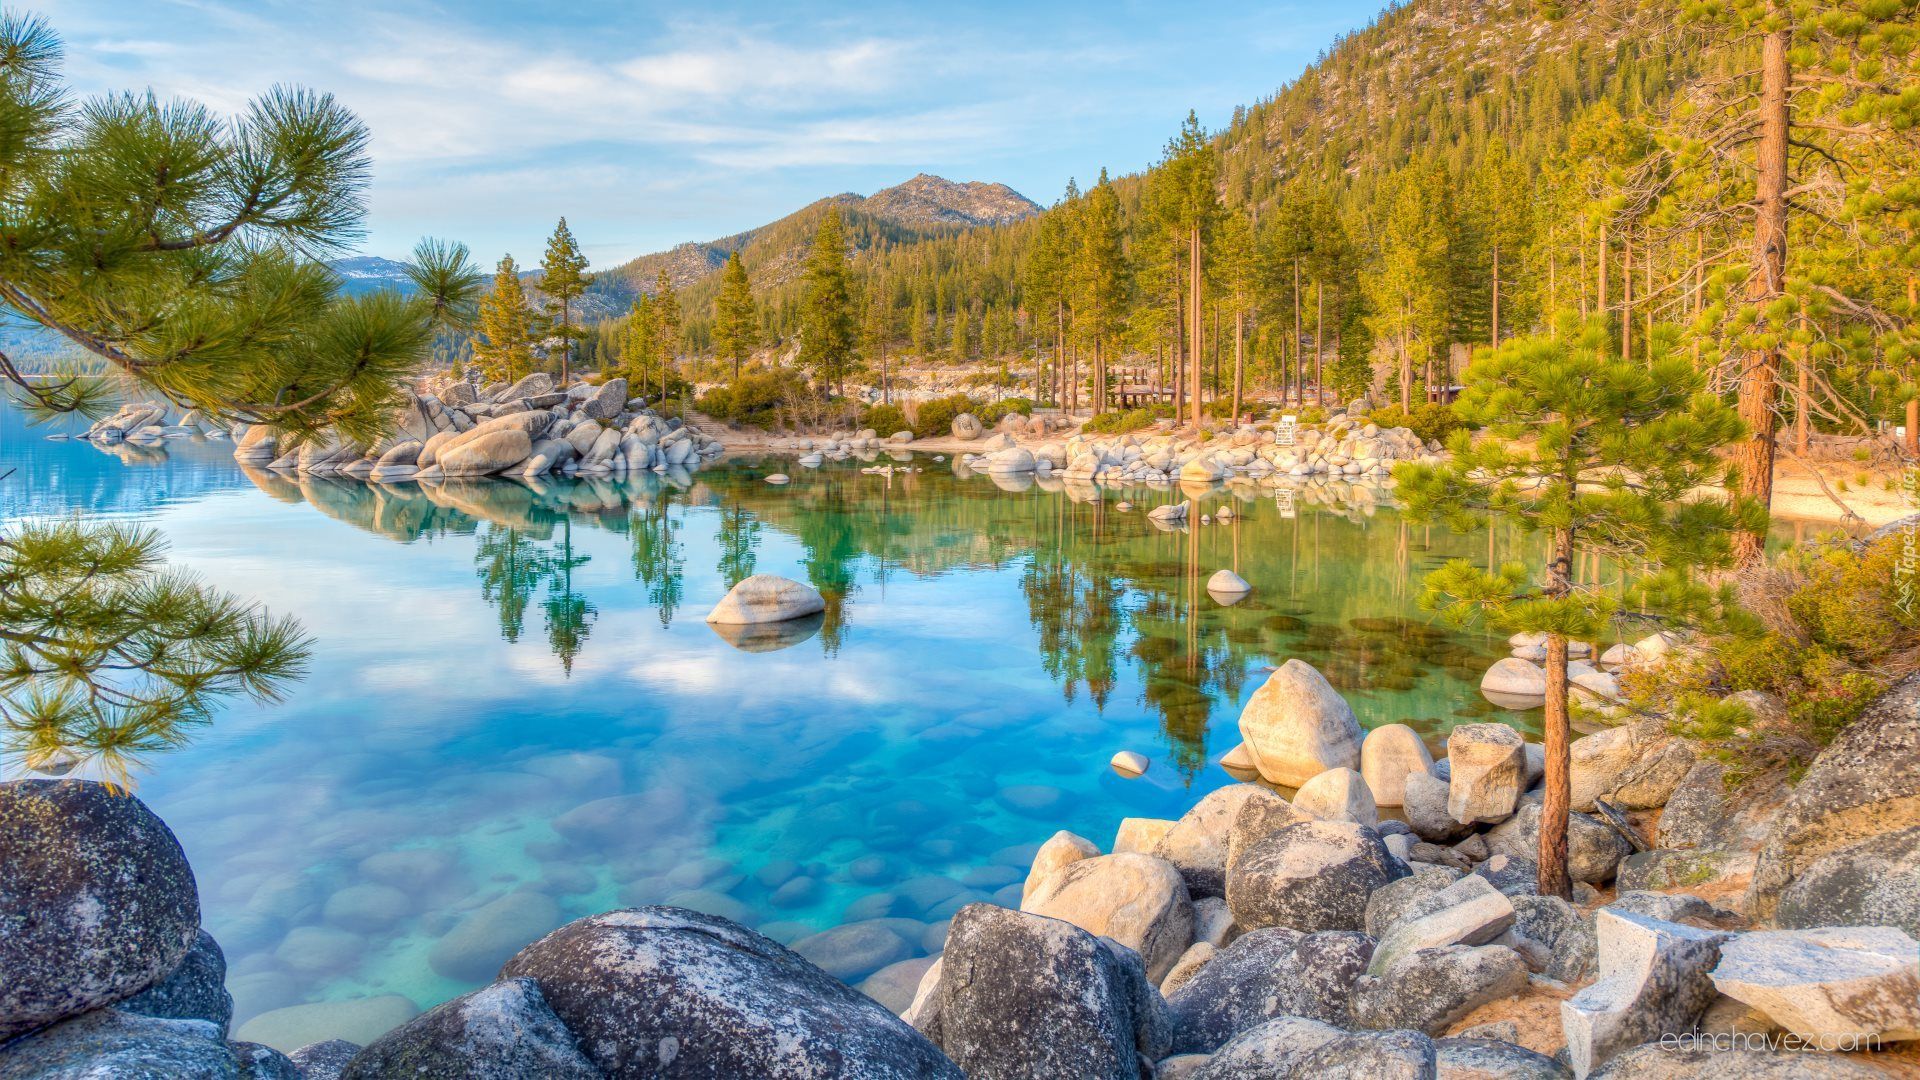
[{"x": 516, "y": 715}]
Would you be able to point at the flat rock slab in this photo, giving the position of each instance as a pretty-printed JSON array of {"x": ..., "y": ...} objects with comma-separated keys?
[{"x": 1835, "y": 987}]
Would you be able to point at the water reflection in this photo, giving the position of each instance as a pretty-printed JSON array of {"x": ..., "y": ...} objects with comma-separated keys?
[{"x": 1104, "y": 589}]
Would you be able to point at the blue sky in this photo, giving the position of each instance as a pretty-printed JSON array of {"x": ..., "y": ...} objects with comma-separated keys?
[{"x": 648, "y": 124}]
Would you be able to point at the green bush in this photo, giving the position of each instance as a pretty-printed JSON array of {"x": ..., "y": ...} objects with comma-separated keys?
[
  {"x": 1428, "y": 420},
  {"x": 756, "y": 399},
  {"x": 934, "y": 418},
  {"x": 884, "y": 419},
  {"x": 1119, "y": 423},
  {"x": 993, "y": 412}
]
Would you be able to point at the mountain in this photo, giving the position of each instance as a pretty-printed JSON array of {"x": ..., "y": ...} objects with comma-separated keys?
[
  {"x": 923, "y": 208},
  {"x": 370, "y": 273},
  {"x": 932, "y": 200}
]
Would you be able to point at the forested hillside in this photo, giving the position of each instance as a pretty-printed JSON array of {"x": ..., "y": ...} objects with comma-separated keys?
[{"x": 1727, "y": 177}]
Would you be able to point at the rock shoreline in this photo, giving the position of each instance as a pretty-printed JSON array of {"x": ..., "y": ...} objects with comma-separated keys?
[{"x": 1253, "y": 937}]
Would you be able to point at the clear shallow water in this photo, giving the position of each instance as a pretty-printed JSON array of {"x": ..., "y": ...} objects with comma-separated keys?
[{"x": 516, "y": 715}]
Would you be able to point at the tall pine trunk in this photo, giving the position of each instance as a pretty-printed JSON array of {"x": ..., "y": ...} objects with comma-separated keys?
[
  {"x": 1199, "y": 325},
  {"x": 1759, "y": 379},
  {"x": 1558, "y": 797},
  {"x": 1495, "y": 329},
  {"x": 566, "y": 344},
  {"x": 1299, "y": 362},
  {"x": 1239, "y": 360},
  {"x": 1319, "y": 327}
]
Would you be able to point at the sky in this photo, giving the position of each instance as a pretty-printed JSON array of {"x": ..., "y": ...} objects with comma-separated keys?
[{"x": 647, "y": 125}]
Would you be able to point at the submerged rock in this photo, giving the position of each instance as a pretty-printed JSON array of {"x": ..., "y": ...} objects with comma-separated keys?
[
  {"x": 767, "y": 598},
  {"x": 97, "y": 901},
  {"x": 643, "y": 989}
]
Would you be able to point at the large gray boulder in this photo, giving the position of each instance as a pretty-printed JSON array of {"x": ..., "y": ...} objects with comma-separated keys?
[
  {"x": 1704, "y": 811},
  {"x": 500, "y": 1032},
  {"x": 196, "y": 990},
  {"x": 1635, "y": 766},
  {"x": 1655, "y": 980},
  {"x": 1834, "y": 987},
  {"x": 1197, "y": 844},
  {"x": 1309, "y": 876},
  {"x": 1594, "y": 850},
  {"x": 1020, "y": 995},
  {"x": 608, "y": 400},
  {"x": 1262, "y": 814},
  {"x": 107, "y": 1044},
  {"x": 1469, "y": 911},
  {"x": 490, "y": 453},
  {"x": 1394, "y": 899},
  {"x": 326, "y": 1060},
  {"x": 1493, "y": 1059},
  {"x": 1431, "y": 989},
  {"x": 1861, "y": 787},
  {"x": 765, "y": 598},
  {"x": 1424, "y": 803},
  {"x": 1488, "y": 766},
  {"x": 1297, "y": 726},
  {"x": 1557, "y": 926},
  {"x": 97, "y": 901},
  {"x": 1873, "y": 883},
  {"x": 1371, "y": 1055},
  {"x": 1137, "y": 900},
  {"x": 1265, "y": 974},
  {"x": 1270, "y": 1051},
  {"x": 659, "y": 991}
]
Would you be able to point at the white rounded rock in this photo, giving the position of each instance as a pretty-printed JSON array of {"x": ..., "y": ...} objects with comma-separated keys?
[
  {"x": 1130, "y": 763},
  {"x": 777, "y": 478},
  {"x": 1515, "y": 677},
  {"x": 1296, "y": 726},
  {"x": 765, "y": 598},
  {"x": 1338, "y": 795},
  {"x": 1390, "y": 752}
]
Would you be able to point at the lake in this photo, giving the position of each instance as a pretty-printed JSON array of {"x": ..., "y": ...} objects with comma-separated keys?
[{"x": 516, "y": 715}]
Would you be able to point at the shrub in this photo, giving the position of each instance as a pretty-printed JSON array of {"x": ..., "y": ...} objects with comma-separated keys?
[
  {"x": 758, "y": 398},
  {"x": 1429, "y": 420},
  {"x": 1119, "y": 423},
  {"x": 884, "y": 419},
  {"x": 993, "y": 412},
  {"x": 934, "y": 417}
]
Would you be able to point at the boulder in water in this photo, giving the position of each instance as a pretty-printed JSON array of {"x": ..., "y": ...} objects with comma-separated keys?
[{"x": 765, "y": 598}]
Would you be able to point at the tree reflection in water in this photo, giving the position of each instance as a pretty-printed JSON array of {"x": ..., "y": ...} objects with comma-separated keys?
[{"x": 1104, "y": 590}]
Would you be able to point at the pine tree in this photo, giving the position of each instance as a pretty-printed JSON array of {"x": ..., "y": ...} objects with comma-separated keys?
[
  {"x": 640, "y": 344},
  {"x": 563, "y": 279},
  {"x": 1601, "y": 455},
  {"x": 876, "y": 330},
  {"x": 1187, "y": 202},
  {"x": 736, "y": 325},
  {"x": 1237, "y": 264},
  {"x": 666, "y": 326},
  {"x": 503, "y": 341},
  {"x": 1409, "y": 286},
  {"x": 1099, "y": 279},
  {"x": 198, "y": 289},
  {"x": 827, "y": 347}
]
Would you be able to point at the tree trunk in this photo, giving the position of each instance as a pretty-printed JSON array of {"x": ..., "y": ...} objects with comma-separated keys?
[
  {"x": 1558, "y": 797},
  {"x": 1179, "y": 351},
  {"x": 1600, "y": 295},
  {"x": 1495, "y": 329},
  {"x": 1626, "y": 297},
  {"x": 566, "y": 344},
  {"x": 1319, "y": 325},
  {"x": 1760, "y": 377},
  {"x": 1299, "y": 361},
  {"x": 1239, "y": 360},
  {"x": 1199, "y": 327}
]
